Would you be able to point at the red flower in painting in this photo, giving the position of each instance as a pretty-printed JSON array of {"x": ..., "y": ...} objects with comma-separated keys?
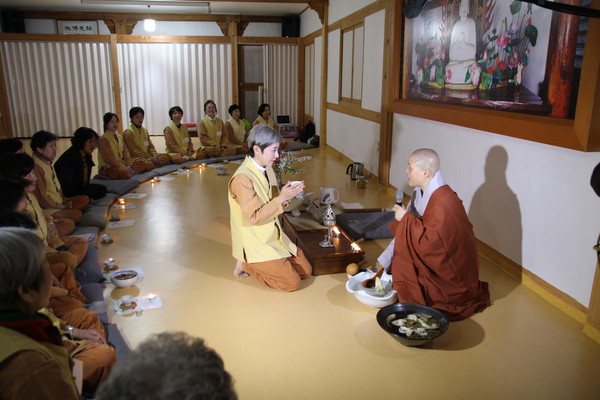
[
  {"x": 448, "y": 74},
  {"x": 502, "y": 40},
  {"x": 501, "y": 64},
  {"x": 491, "y": 70},
  {"x": 528, "y": 22}
]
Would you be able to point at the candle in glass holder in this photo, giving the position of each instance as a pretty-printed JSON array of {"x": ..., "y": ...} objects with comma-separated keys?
[
  {"x": 122, "y": 201},
  {"x": 336, "y": 231},
  {"x": 355, "y": 247},
  {"x": 151, "y": 296}
]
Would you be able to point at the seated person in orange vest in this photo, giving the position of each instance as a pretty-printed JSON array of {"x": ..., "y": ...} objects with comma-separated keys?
[
  {"x": 210, "y": 131},
  {"x": 49, "y": 191},
  {"x": 74, "y": 166},
  {"x": 235, "y": 130},
  {"x": 139, "y": 144},
  {"x": 178, "y": 141},
  {"x": 34, "y": 363},
  {"x": 259, "y": 244},
  {"x": 435, "y": 261},
  {"x": 113, "y": 156}
]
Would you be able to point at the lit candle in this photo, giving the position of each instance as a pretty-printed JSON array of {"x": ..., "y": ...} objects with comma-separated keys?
[
  {"x": 121, "y": 201},
  {"x": 203, "y": 165},
  {"x": 355, "y": 247},
  {"x": 109, "y": 262},
  {"x": 336, "y": 231},
  {"x": 151, "y": 296}
]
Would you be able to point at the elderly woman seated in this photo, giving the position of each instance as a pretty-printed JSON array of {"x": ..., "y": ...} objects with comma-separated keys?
[{"x": 33, "y": 361}]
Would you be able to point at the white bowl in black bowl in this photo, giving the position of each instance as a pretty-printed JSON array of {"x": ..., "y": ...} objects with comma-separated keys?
[{"x": 393, "y": 312}]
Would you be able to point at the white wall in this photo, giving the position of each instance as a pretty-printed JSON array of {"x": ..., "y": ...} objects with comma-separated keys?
[
  {"x": 338, "y": 9},
  {"x": 309, "y": 22},
  {"x": 543, "y": 197},
  {"x": 317, "y": 83},
  {"x": 372, "y": 65},
  {"x": 263, "y": 29}
]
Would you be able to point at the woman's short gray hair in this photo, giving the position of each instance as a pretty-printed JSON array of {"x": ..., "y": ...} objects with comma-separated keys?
[
  {"x": 21, "y": 264},
  {"x": 262, "y": 136}
]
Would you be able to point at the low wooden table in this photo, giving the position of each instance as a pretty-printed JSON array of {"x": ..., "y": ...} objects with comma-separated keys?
[{"x": 325, "y": 260}]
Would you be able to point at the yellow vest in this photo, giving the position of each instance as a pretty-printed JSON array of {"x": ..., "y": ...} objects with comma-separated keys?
[
  {"x": 116, "y": 145},
  {"x": 141, "y": 136},
  {"x": 12, "y": 342},
  {"x": 180, "y": 134},
  {"x": 270, "y": 122},
  {"x": 53, "y": 188},
  {"x": 239, "y": 130},
  {"x": 212, "y": 127},
  {"x": 37, "y": 215},
  {"x": 264, "y": 242}
]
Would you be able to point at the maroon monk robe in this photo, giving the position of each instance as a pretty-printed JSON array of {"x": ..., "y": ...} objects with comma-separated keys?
[{"x": 435, "y": 260}]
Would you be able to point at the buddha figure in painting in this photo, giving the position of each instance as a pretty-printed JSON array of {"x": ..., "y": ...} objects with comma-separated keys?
[{"x": 462, "y": 50}]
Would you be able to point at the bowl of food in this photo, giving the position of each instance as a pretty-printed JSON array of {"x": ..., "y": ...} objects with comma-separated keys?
[
  {"x": 221, "y": 170},
  {"x": 125, "y": 278},
  {"x": 412, "y": 324},
  {"x": 379, "y": 296}
]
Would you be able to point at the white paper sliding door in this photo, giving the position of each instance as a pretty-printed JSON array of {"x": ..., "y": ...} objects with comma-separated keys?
[
  {"x": 57, "y": 86},
  {"x": 158, "y": 76},
  {"x": 281, "y": 79}
]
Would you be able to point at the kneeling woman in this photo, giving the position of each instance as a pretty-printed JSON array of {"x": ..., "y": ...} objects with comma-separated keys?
[{"x": 259, "y": 244}]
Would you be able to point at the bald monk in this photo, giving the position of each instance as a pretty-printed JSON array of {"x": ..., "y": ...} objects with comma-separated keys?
[
  {"x": 435, "y": 260},
  {"x": 210, "y": 131},
  {"x": 138, "y": 141}
]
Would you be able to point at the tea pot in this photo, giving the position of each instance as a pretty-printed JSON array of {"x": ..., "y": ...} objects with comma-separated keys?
[
  {"x": 329, "y": 195},
  {"x": 355, "y": 170}
]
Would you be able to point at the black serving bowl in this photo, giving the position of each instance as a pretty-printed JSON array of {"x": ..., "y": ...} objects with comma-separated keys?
[{"x": 402, "y": 310}]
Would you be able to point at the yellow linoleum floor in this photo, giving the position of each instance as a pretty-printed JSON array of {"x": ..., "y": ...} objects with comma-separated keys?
[{"x": 320, "y": 342}]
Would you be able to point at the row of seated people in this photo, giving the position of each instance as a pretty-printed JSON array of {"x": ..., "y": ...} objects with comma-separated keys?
[
  {"x": 25, "y": 184},
  {"x": 121, "y": 156}
]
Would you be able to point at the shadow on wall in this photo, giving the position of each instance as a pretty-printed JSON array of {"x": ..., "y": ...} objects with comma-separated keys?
[{"x": 495, "y": 212}]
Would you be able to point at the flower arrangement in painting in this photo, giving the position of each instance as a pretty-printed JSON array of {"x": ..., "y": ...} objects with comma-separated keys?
[
  {"x": 506, "y": 53},
  {"x": 431, "y": 55}
]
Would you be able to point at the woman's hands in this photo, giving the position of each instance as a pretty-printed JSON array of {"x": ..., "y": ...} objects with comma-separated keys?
[
  {"x": 289, "y": 191},
  {"x": 88, "y": 334}
]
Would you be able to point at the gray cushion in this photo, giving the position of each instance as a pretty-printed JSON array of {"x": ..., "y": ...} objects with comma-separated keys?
[
  {"x": 93, "y": 291},
  {"x": 89, "y": 270},
  {"x": 167, "y": 169},
  {"x": 119, "y": 186},
  {"x": 80, "y": 230},
  {"x": 143, "y": 177},
  {"x": 370, "y": 225},
  {"x": 94, "y": 216},
  {"x": 298, "y": 146},
  {"x": 106, "y": 201},
  {"x": 116, "y": 340}
]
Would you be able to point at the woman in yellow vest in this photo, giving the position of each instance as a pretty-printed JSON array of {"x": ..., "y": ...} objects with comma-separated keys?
[
  {"x": 138, "y": 141},
  {"x": 259, "y": 244},
  {"x": 264, "y": 117},
  {"x": 210, "y": 131},
  {"x": 178, "y": 141},
  {"x": 113, "y": 156},
  {"x": 49, "y": 191},
  {"x": 235, "y": 130},
  {"x": 33, "y": 361}
]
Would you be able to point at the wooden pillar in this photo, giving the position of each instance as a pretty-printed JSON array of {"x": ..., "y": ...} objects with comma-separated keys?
[
  {"x": 114, "y": 62},
  {"x": 325, "y": 36},
  {"x": 5, "y": 120},
  {"x": 301, "y": 84},
  {"x": 560, "y": 68},
  {"x": 387, "y": 117},
  {"x": 235, "y": 83}
]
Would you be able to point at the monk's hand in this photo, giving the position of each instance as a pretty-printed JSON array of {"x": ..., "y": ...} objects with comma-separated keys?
[
  {"x": 289, "y": 191},
  {"x": 88, "y": 334},
  {"x": 399, "y": 212}
]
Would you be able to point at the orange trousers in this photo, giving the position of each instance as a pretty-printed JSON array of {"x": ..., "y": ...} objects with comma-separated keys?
[{"x": 283, "y": 273}]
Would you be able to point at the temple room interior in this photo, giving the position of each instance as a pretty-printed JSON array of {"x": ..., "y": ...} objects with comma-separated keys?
[{"x": 518, "y": 139}]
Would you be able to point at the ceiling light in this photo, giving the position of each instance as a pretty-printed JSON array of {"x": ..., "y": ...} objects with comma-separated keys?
[{"x": 149, "y": 23}]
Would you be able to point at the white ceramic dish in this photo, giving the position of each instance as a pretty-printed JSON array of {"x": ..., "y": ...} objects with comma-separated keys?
[
  {"x": 123, "y": 283},
  {"x": 354, "y": 286}
]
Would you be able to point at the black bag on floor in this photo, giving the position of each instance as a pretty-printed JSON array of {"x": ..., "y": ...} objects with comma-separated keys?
[{"x": 307, "y": 132}]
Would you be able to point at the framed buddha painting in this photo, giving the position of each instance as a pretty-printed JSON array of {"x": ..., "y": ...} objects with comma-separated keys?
[{"x": 496, "y": 60}]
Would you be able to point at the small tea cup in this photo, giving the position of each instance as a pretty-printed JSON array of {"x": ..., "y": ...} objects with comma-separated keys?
[
  {"x": 106, "y": 237},
  {"x": 127, "y": 300}
]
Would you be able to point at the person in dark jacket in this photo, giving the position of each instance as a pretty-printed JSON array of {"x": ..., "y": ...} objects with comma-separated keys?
[{"x": 74, "y": 166}]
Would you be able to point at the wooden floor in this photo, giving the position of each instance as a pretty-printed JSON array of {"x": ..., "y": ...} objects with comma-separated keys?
[{"x": 320, "y": 342}]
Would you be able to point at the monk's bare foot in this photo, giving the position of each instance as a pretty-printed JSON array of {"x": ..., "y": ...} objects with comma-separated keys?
[{"x": 238, "y": 271}]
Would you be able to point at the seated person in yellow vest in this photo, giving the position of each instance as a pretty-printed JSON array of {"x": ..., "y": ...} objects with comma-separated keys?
[
  {"x": 178, "y": 141},
  {"x": 259, "y": 244},
  {"x": 34, "y": 363},
  {"x": 84, "y": 339},
  {"x": 235, "y": 130},
  {"x": 66, "y": 292},
  {"x": 113, "y": 156},
  {"x": 264, "y": 117},
  {"x": 49, "y": 191},
  {"x": 68, "y": 250},
  {"x": 139, "y": 144},
  {"x": 210, "y": 132}
]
